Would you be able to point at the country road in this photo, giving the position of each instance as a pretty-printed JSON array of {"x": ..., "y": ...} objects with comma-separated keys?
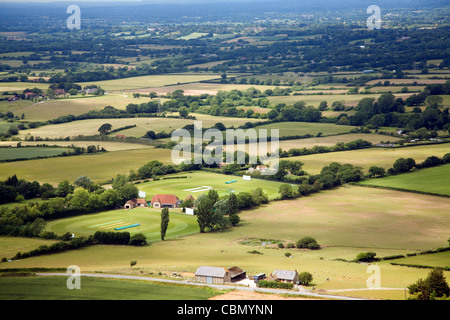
[{"x": 216, "y": 286}]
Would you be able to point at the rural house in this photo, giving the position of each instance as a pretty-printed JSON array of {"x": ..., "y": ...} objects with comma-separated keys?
[
  {"x": 134, "y": 203},
  {"x": 165, "y": 201},
  {"x": 285, "y": 276}
]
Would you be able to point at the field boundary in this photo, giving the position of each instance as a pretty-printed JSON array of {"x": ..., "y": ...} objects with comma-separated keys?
[{"x": 400, "y": 189}]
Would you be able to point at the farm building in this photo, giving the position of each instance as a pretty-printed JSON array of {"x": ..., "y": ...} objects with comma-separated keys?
[
  {"x": 285, "y": 276},
  {"x": 215, "y": 275},
  {"x": 131, "y": 204},
  {"x": 237, "y": 274},
  {"x": 212, "y": 275},
  {"x": 165, "y": 201}
]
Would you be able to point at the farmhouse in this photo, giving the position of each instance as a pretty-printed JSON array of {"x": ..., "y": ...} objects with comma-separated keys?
[
  {"x": 285, "y": 276},
  {"x": 165, "y": 201},
  {"x": 131, "y": 204}
]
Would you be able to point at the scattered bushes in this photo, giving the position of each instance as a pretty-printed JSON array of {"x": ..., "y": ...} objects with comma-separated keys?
[
  {"x": 305, "y": 278},
  {"x": 307, "y": 243},
  {"x": 275, "y": 284}
]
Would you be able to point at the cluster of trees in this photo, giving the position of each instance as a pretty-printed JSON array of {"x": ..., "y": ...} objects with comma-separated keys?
[
  {"x": 389, "y": 111},
  {"x": 71, "y": 243},
  {"x": 15, "y": 190},
  {"x": 119, "y": 238},
  {"x": 215, "y": 213},
  {"x": 434, "y": 286},
  {"x": 82, "y": 197},
  {"x": 341, "y": 146},
  {"x": 403, "y": 165}
]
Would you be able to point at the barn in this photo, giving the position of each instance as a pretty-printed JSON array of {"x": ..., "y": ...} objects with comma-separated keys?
[{"x": 212, "y": 275}]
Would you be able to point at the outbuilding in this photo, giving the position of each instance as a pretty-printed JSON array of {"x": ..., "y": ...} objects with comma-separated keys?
[{"x": 212, "y": 275}]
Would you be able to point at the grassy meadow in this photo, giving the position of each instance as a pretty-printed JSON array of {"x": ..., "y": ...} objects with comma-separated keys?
[
  {"x": 432, "y": 180},
  {"x": 148, "y": 218},
  {"x": 99, "y": 167},
  {"x": 29, "y": 153},
  {"x": 55, "y": 288}
]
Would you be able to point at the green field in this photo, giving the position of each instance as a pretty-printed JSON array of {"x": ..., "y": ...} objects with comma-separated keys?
[
  {"x": 197, "y": 183},
  {"x": 148, "y": 218},
  {"x": 438, "y": 260},
  {"x": 29, "y": 152},
  {"x": 55, "y": 288},
  {"x": 432, "y": 180}
]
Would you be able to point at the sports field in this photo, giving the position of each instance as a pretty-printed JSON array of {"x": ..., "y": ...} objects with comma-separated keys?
[
  {"x": 140, "y": 220},
  {"x": 198, "y": 183},
  {"x": 433, "y": 180}
]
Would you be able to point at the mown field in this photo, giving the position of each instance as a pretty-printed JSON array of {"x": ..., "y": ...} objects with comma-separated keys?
[
  {"x": 55, "y": 288},
  {"x": 143, "y": 125},
  {"x": 148, "y": 218},
  {"x": 52, "y": 109},
  {"x": 401, "y": 223},
  {"x": 372, "y": 157},
  {"x": 329, "y": 141},
  {"x": 150, "y": 81},
  {"x": 29, "y": 153},
  {"x": 99, "y": 167},
  {"x": 108, "y": 146},
  {"x": 304, "y": 128},
  {"x": 432, "y": 180},
  {"x": 197, "y": 183}
]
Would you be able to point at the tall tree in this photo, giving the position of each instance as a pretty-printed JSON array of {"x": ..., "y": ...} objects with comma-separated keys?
[
  {"x": 164, "y": 222},
  {"x": 105, "y": 128}
]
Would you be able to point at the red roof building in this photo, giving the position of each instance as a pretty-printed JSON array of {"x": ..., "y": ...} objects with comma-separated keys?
[
  {"x": 131, "y": 204},
  {"x": 165, "y": 201}
]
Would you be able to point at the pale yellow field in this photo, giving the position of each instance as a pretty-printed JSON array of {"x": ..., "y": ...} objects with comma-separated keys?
[
  {"x": 53, "y": 109},
  {"x": 150, "y": 81},
  {"x": 372, "y": 157},
  {"x": 109, "y": 146},
  {"x": 99, "y": 167},
  {"x": 91, "y": 126}
]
